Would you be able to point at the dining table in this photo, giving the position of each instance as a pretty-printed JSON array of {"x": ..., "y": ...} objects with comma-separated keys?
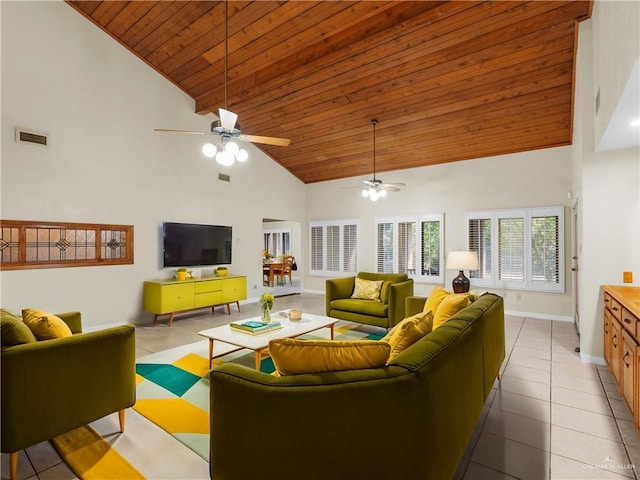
[{"x": 272, "y": 267}]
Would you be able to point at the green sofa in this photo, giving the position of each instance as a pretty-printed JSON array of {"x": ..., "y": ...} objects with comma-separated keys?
[
  {"x": 53, "y": 386},
  {"x": 385, "y": 313},
  {"x": 411, "y": 419}
]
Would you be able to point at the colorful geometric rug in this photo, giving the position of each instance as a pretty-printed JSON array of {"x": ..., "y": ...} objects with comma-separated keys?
[
  {"x": 91, "y": 457},
  {"x": 173, "y": 385}
]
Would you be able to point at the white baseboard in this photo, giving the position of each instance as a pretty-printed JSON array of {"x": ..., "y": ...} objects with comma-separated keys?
[
  {"x": 103, "y": 327},
  {"x": 592, "y": 359},
  {"x": 317, "y": 292},
  {"x": 542, "y": 316}
]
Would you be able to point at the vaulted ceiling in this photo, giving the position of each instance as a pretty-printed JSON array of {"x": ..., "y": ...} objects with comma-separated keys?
[{"x": 447, "y": 81}]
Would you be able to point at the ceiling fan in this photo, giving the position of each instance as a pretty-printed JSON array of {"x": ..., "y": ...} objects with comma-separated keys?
[
  {"x": 226, "y": 127},
  {"x": 375, "y": 188}
]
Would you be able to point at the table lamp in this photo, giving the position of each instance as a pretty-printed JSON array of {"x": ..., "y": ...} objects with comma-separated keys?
[{"x": 462, "y": 261}]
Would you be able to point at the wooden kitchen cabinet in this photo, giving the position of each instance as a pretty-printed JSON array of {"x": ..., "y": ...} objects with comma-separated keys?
[{"x": 621, "y": 322}]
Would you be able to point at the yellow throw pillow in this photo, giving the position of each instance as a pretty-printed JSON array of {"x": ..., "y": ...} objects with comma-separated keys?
[
  {"x": 293, "y": 357},
  {"x": 451, "y": 305},
  {"x": 45, "y": 326},
  {"x": 408, "y": 332},
  {"x": 437, "y": 295},
  {"x": 367, "y": 289}
]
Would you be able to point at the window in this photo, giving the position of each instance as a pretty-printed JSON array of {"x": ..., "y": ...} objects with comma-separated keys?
[
  {"x": 519, "y": 249},
  {"x": 411, "y": 245},
  {"x": 333, "y": 247},
  {"x": 277, "y": 242},
  {"x": 28, "y": 244}
]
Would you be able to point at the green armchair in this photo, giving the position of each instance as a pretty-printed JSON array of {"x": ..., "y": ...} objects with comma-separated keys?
[
  {"x": 386, "y": 313},
  {"x": 53, "y": 386}
]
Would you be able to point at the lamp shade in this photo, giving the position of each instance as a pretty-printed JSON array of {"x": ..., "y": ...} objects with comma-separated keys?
[{"x": 462, "y": 261}]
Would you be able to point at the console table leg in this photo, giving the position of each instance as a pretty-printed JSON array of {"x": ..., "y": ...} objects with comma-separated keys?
[{"x": 171, "y": 318}]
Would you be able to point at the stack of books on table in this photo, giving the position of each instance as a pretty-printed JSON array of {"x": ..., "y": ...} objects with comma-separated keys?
[{"x": 254, "y": 327}]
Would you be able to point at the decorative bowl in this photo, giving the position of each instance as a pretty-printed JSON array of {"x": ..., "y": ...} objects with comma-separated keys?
[{"x": 295, "y": 315}]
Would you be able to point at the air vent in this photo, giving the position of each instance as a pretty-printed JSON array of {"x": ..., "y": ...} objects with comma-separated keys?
[
  {"x": 26, "y": 136},
  {"x": 223, "y": 177}
]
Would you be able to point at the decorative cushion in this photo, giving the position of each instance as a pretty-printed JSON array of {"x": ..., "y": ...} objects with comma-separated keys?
[
  {"x": 45, "y": 326},
  {"x": 408, "y": 332},
  {"x": 435, "y": 298},
  {"x": 451, "y": 305},
  {"x": 367, "y": 289},
  {"x": 293, "y": 357},
  {"x": 13, "y": 330}
]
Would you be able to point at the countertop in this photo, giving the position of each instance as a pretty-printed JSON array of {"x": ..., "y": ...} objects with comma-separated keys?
[{"x": 629, "y": 297}]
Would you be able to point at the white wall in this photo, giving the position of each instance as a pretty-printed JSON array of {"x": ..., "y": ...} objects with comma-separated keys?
[
  {"x": 99, "y": 104},
  {"x": 616, "y": 41},
  {"x": 532, "y": 179},
  {"x": 609, "y": 182}
]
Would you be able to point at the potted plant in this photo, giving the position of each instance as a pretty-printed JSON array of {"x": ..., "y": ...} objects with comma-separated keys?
[
  {"x": 181, "y": 274},
  {"x": 221, "y": 272}
]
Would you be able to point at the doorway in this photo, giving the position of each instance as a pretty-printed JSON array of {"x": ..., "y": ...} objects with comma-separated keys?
[
  {"x": 575, "y": 250},
  {"x": 280, "y": 238}
]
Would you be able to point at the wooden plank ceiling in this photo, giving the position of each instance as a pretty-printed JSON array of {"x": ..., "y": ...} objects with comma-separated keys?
[{"x": 447, "y": 81}]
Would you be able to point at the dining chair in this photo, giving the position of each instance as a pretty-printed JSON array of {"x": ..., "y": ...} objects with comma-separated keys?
[{"x": 285, "y": 270}]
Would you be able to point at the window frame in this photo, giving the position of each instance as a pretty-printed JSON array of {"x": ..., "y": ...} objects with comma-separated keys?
[
  {"x": 344, "y": 227},
  {"x": 125, "y": 244},
  {"x": 418, "y": 220},
  {"x": 528, "y": 283},
  {"x": 269, "y": 240}
]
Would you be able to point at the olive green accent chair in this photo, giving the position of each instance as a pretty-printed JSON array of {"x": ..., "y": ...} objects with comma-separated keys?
[
  {"x": 411, "y": 419},
  {"x": 386, "y": 313},
  {"x": 50, "y": 387}
]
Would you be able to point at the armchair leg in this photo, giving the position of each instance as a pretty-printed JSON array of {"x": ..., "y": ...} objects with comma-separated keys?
[
  {"x": 13, "y": 465},
  {"x": 121, "y": 420}
]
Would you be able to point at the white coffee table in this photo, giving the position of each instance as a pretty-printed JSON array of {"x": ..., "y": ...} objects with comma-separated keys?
[{"x": 260, "y": 343}]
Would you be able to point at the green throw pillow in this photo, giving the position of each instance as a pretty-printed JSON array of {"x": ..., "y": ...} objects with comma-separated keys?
[{"x": 13, "y": 330}]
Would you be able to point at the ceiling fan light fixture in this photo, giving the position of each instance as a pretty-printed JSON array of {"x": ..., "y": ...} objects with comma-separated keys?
[
  {"x": 209, "y": 150},
  {"x": 225, "y": 158},
  {"x": 242, "y": 155},
  {"x": 231, "y": 147}
]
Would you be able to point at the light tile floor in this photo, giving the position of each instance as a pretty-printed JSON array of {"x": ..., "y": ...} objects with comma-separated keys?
[{"x": 550, "y": 416}]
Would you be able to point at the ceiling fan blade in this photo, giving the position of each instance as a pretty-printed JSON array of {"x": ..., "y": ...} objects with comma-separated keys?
[
  {"x": 279, "y": 142},
  {"x": 180, "y": 131},
  {"x": 227, "y": 119},
  {"x": 390, "y": 188},
  {"x": 394, "y": 185}
]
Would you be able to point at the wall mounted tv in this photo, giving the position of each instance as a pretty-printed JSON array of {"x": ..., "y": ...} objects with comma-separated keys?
[{"x": 192, "y": 245}]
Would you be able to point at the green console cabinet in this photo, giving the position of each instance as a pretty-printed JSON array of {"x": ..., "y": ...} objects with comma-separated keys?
[{"x": 170, "y": 296}]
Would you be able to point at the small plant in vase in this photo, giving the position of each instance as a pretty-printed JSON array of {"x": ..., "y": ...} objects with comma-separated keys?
[
  {"x": 266, "y": 302},
  {"x": 181, "y": 273},
  {"x": 221, "y": 272}
]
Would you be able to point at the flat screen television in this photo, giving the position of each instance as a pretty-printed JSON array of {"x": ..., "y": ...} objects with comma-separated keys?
[{"x": 192, "y": 245}]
